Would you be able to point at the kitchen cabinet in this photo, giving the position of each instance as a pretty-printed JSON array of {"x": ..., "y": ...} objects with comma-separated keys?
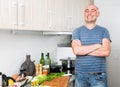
[
  {"x": 7, "y": 16},
  {"x": 74, "y": 13},
  {"x": 13, "y": 14},
  {"x": 21, "y": 14},
  {"x": 66, "y": 15},
  {"x": 42, "y": 15}
]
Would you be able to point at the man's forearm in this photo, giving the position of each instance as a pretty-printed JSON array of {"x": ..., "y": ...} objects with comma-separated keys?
[
  {"x": 84, "y": 50},
  {"x": 104, "y": 50},
  {"x": 100, "y": 52}
]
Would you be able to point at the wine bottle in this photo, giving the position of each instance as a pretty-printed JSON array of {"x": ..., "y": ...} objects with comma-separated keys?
[
  {"x": 48, "y": 60},
  {"x": 42, "y": 60}
]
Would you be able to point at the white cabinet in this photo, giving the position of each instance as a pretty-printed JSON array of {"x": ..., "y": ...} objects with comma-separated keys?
[
  {"x": 7, "y": 14},
  {"x": 20, "y": 14},
  {"x": 39, "y": 14},
  {"x": 24, "y": 14},
  {"x": 64, "y": 15},
  {"x": 42, "y": 15},
  {"x": 74, "y": 13},
  {"x": 15, "y": 14}
]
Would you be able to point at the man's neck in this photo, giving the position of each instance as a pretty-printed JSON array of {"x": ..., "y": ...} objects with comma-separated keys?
[{"x": 90, "y": 25}]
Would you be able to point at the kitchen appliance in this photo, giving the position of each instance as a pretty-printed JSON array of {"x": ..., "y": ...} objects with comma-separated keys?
[
  {"x": 55, "y": 68},
  {"x": 68, "y": 65},
  {"x": 66, "y": 58}
]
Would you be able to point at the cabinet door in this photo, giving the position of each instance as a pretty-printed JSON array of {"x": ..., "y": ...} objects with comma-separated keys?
[
  {"x": 33, "y": 15},
  {"x": 8, "y": 14},
  {"x": 58, "y": 16},
  {"x": 69, "y": 14},
  {"x": 24, "y": 14},
  {"x": 66, "y": 15},
  {"x": 40, "y": 15}
]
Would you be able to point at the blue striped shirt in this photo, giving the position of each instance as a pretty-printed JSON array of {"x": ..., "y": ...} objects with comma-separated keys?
[{"x": 88, "y": 63}]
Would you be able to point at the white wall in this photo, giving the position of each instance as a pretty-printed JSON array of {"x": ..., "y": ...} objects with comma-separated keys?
[
  {"x": 110, "y": 17},
  {"x": 14, "y": 47}
]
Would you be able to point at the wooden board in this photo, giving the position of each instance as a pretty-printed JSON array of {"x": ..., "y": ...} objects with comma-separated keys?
[{"x": 58, "y": 82}]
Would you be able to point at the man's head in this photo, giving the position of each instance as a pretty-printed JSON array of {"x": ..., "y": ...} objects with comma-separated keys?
[{"x": 91, "y": 13}]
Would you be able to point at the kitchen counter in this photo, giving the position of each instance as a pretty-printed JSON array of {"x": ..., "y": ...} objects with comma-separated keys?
[{"x": 70, "y": 82}]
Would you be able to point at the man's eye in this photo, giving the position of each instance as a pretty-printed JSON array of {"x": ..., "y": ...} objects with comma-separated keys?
[
  {"x": 93, "y": 10},
  {"x": 86, "y": 10}
]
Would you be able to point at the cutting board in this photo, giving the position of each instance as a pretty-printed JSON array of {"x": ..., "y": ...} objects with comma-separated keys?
[{"x": 58, "y": 82}]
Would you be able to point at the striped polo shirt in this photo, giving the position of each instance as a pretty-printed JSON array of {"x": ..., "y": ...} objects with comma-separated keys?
[{"x": 88, "y": 63}]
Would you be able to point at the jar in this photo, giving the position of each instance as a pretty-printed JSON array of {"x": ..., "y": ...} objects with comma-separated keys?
[{"x": 46, "y": 69}]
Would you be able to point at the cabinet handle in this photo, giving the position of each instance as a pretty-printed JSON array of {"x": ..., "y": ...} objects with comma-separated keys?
[
  {"x": 15, "y": 11},
  {"x": 69, "y": 22},
  {"x": 50, "y": 19},
  {"x": 21, "y": 15}
]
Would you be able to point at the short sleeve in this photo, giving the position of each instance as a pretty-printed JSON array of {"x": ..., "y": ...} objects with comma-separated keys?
[
  {"x": 106, "y": 34},
  {"x": 75, "y": 34}
]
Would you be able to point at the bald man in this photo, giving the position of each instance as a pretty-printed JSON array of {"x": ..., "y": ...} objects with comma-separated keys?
[{"x": 91, "y": 45}]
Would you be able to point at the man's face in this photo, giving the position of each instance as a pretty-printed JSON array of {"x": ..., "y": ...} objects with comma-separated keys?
[{"x": 91, "y": 13}]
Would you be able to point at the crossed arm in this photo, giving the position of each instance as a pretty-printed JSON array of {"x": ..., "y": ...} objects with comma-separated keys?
[{"x": 95, "y": 49}]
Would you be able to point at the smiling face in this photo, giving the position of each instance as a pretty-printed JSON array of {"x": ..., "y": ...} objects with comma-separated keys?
[{"x": 91, "y": 13}]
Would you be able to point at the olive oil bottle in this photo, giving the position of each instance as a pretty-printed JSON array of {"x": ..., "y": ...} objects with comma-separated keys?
[
  {"x": 48, "y": 60},
  {"x": 42, "y": 60}
]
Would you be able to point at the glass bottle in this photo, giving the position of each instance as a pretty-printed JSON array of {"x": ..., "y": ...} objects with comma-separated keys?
[
  {"x": 42, "y": 60},
  {"x": 48, "y": 60}
]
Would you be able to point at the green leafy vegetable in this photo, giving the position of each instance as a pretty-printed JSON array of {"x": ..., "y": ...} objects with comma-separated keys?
[
  {"x": 41, "y": 78},
  {"x": 49, "y": 77},
  {"x": 54, "y": 75}
]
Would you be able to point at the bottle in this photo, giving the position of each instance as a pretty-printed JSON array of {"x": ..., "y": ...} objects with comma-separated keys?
[
  {"x": 48, "y": 62},
  {"x": 0, "y": 79},
  {"x": 28, "y": 67},
  {"x": 42, "y": 60}
]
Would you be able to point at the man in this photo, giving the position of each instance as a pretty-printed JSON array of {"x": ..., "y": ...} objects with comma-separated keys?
[{"x": 91, "y": 45}]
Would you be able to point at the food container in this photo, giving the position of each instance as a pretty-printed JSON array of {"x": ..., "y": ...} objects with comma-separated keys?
[{"x": 46, "y": 69}]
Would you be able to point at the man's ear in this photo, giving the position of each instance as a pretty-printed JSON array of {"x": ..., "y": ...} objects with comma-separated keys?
[{"x": 98, "y": 13}]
